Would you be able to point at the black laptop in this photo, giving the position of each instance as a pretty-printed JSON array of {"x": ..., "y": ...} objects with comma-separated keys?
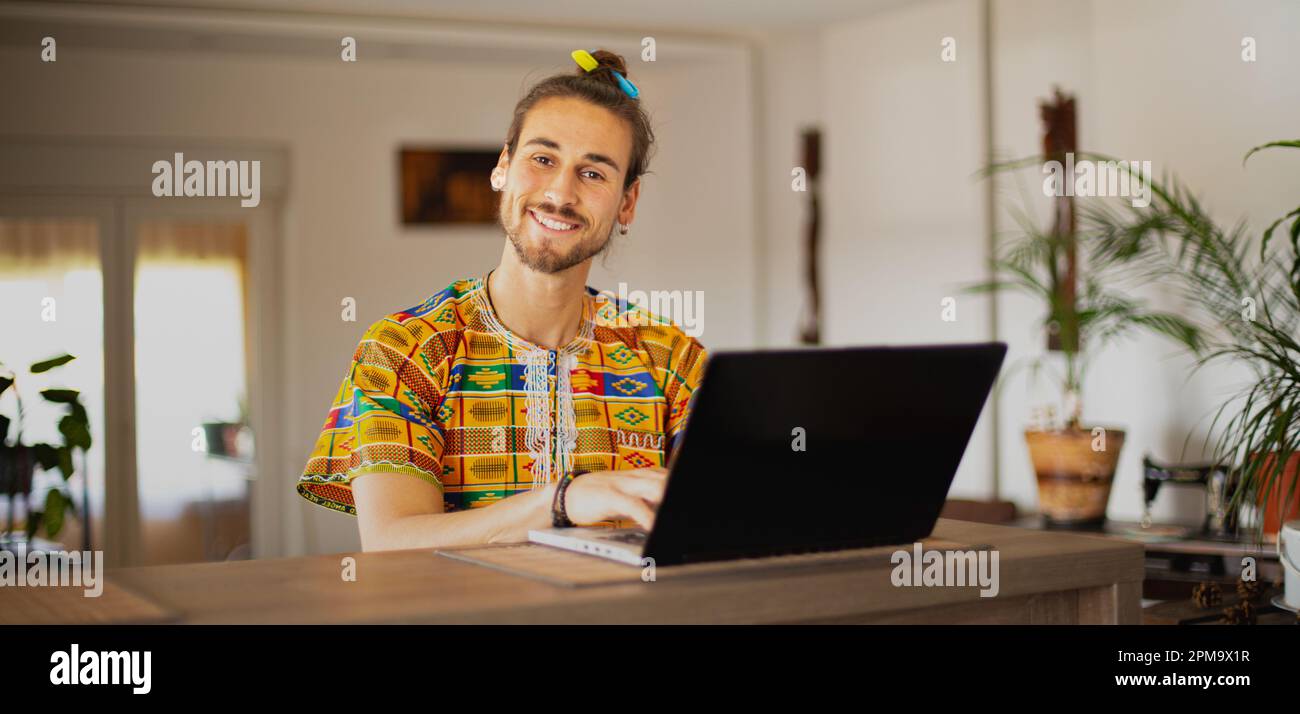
[{"x": 809, "y": 450}]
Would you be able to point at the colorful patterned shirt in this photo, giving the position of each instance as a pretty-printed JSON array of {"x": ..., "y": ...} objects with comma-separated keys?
[{"x": 444, "y": 392}]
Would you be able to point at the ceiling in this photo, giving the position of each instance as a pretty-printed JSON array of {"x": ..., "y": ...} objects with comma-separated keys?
[{"x": 713, "y": 17}]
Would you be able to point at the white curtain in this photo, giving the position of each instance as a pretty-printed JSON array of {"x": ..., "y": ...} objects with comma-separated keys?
[
  {"x": 191, "y": 364},
  {"x": 51, "y": 299},
  {"x": 32, "y": 247}
]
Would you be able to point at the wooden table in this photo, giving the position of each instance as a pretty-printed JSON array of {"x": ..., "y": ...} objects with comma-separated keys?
[
  {"x": 1175, "y": 565},
  {"x": 1045, "y": 577}
]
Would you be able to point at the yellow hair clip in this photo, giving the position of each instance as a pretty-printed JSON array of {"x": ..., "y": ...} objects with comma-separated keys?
[
  {"x": 585, "y": 60},
  {"x": 589, "y": 63}
]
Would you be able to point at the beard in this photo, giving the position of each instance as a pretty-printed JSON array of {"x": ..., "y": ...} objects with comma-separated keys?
[{"x": 552, "y": 256}]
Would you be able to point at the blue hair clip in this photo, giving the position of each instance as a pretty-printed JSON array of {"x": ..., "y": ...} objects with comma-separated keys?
[
  {"x": 628, "y": 88},
  {"x": 589, "y": 63}
]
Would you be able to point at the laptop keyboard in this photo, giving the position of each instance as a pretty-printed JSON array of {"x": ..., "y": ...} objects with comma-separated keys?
[{"x": 629, "y": 537}]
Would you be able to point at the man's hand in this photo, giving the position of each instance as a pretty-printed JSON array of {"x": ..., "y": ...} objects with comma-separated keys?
[{"x": 607, "y": 495}]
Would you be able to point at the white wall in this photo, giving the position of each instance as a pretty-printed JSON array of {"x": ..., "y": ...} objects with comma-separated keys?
[
  {"x": 341, "y": 125},
  {"x": 790, "y": 68},
  {"x": 904, "y": 218},
  {"x": 1158, "y": 80}
]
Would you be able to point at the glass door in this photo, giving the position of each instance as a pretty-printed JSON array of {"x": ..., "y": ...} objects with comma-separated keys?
[
  {"x": 194, "y": 443},
  {"x": 171, "y": 308},
  {"x": 51, "y": 304}
]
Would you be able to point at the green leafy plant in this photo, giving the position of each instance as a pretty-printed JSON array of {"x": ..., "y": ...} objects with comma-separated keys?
[
  {"x": 17, "y": 459},
  {"x": 1250, "y": 288},
  {"x": 1030, "y": 261}
]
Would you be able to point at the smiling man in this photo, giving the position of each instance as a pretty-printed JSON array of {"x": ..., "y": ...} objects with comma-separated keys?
[{"x": 459, "y": 418}]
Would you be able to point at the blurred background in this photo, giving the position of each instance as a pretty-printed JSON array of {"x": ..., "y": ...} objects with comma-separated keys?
[{"x": 210, "y": 337}]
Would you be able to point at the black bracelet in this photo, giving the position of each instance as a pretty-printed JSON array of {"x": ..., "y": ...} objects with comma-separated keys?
[{"x": 559, "y": 518}]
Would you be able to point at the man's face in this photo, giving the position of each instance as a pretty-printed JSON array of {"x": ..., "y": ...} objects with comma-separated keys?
[{"x": 564, "y": 188}]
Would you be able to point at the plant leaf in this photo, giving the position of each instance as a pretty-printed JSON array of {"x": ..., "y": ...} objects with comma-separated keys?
[
  {"x": 47, "y": 456},
  {"x": 65, "y": 462},
  {"x": 60, "y": 396},
  {"x": 54, "y": 505},
  {"x": 1268, "y": 233},
  {"x": 74, "y": 432},
  {"x": 1294, "y": 144},
  {"x": 46, "y": 365}
]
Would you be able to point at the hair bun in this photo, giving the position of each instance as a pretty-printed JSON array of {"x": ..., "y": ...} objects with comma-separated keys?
[{"x": 606, "y": 60}]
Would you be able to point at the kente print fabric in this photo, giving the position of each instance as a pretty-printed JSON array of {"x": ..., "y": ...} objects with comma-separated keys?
[{"x": 444, "y": 392}]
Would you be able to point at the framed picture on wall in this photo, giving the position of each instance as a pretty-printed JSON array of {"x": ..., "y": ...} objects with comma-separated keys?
[{"x": 447, "y": 186}]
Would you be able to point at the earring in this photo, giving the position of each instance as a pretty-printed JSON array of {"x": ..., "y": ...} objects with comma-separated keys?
[
  {"x": 498, "y": 180},
  {"x": 622, "y": 228}
]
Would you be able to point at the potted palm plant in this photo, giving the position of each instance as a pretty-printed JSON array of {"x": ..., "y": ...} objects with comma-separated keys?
[
  {"x": 1074, "y": 461},
  {"x": 1250, "y": 288},
  {"x": 18, "y": 460}
]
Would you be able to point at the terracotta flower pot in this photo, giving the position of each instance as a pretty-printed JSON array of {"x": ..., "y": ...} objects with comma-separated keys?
[
  {"x": 1074, "y": 479},
  {"x": 1271, "y": 502}
]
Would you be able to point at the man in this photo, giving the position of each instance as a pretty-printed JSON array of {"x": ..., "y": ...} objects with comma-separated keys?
[{"x": 459, "y": 416}]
